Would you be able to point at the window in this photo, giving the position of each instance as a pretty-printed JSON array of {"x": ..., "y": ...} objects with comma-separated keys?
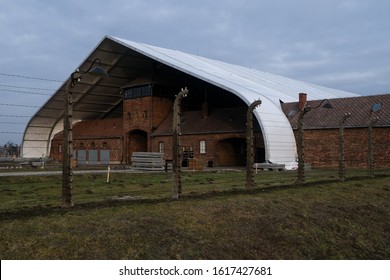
[
  {"x": 137, "y": 92},
  {"x": 202, "y": 147},
  {"x": 376, "y": 107},
  {"x": 161, "y": 147},
  {"x": 59, "y": 149}
]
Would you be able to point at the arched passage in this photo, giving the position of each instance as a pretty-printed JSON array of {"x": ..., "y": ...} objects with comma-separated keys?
[
  {"x": 232, "y": 152},
  {"x": 137, "y": 141}
]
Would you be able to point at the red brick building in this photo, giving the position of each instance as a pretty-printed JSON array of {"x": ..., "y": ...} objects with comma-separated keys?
[
  {"x": 95, "y": 142},
  {"x": 212, "y": 136},
  {"x": 217, "y": 137},
  {"x": 322, "y": 127}
]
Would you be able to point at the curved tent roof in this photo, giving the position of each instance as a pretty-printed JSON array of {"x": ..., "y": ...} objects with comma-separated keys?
[{"x": 127, "y": 60}]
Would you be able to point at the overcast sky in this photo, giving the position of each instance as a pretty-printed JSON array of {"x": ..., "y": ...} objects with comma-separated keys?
[{"x": 343, "y": 44}]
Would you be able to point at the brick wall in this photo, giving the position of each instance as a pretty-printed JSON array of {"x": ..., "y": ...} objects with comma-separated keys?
[
  {"x": 141, "y": 116},
  {"x": 145, "y": 113},
  {"x": 322, "y": 147},
  {"x": 221, "y": 149},
  {"x": 97, "y": 135},
  {"x": 382, "y": 147},
  {"x": 113, "y": 144}
]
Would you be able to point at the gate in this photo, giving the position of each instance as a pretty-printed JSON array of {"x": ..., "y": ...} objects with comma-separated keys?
[
  {"x": 92, "y": 157},
  {"x": 105, "y": 157},
  {"x": 81, "y": 157}
]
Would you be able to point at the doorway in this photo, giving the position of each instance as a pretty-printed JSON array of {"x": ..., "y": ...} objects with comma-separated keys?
[{"x": 137, "y": 141}]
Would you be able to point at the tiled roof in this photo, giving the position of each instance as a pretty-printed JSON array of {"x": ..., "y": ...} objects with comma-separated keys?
[
  {"x": 95, "y": 129},
  {"x": 222, "y": 120},
  {"x": 360, "y": 109}
]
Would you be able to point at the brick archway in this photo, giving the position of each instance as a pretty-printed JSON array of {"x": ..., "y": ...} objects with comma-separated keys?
[
  {"x": 232, "y": 152},
  {"x": 137, "y": 141}
]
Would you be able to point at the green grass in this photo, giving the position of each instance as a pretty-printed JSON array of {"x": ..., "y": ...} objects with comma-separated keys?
[{"x": 216, "y": 218}]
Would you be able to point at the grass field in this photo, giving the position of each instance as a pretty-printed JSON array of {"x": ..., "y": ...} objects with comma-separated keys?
[{"x": 133, "y": 217}]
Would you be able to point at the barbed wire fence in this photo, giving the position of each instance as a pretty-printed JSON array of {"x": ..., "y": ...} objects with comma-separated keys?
[
  {"x": 20, "y": 97},
  {"x": 197, "y": 181}
]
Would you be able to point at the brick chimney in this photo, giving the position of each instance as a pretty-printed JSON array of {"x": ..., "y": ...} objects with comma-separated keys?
[{"x": 302, "y": 101}]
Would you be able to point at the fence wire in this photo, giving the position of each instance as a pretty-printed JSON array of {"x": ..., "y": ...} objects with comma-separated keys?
[
  {"x": 123, "y": 185},
  {"x": 25, "y": 193}
]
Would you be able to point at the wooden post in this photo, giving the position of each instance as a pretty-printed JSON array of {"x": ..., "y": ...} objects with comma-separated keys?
[
  {"x": 176, "y": 152},
  {"x": 250, "y": 181},
  {"x": 108, "y": 174}
]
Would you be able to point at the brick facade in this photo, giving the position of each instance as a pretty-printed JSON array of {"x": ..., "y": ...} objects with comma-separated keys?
[
  {"x": 146, "y": 125},
  {"x": 145, "y": 113},
  {"x": 94, "y": 135},
  {"x": 223, "y": 149},
  {"x": 321, "y": 130},
  {"x": 322, "y": 147},
  {"x": 141, "y": 117}
]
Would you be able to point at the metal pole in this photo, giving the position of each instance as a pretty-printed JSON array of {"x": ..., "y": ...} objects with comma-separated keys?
[
  {"x": 342, "y": 148},
  {"x": 371, "y": 148},
  {"x": 250, "y": 155},
  {"x": 176, "y": 152}
]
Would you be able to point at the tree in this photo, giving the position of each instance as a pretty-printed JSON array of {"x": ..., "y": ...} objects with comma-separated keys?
[{"x": 10, "y": 150}]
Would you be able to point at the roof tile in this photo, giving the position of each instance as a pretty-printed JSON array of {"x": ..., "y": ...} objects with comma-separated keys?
[{"x": 360, "y": 109}]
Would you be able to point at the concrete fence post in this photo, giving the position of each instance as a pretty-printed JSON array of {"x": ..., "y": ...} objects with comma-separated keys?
[
  {"x": 250, "y": 153},
  {"x": 371, "y": 147},
  {"x": 342, "y": 147},
  {"x": 176, "y": 152}
]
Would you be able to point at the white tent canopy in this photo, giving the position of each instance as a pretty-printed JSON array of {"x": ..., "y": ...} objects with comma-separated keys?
[{"x": 126, "y": 60}]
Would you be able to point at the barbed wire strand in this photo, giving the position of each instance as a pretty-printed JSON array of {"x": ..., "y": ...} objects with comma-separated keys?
[{"x": 30, "y": 78}]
